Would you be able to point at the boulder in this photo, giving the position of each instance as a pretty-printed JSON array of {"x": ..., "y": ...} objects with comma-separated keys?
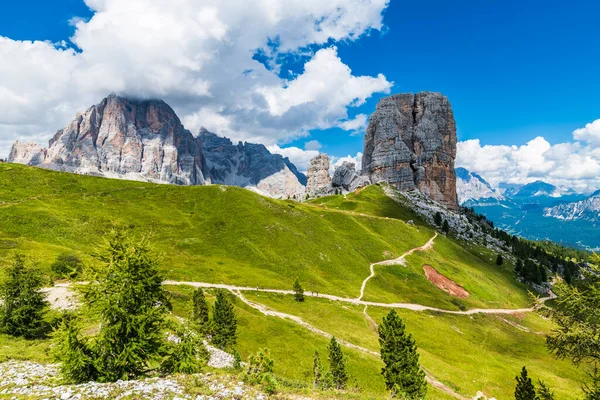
[{"x": 346, "y": 177}]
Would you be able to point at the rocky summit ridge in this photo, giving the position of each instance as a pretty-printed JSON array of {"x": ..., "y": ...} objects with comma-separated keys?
[{"x": 145, "y": 140}]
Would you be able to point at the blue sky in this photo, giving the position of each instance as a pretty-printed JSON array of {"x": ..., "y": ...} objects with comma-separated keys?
[{"x": 513, "y": 70}]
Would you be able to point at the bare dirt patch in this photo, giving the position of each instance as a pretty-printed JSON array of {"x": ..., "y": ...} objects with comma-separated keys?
[{"x": 447, "y": 285}]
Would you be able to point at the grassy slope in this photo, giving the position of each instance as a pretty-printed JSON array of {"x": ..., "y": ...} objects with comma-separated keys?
[
  {"x": 213, "y": 234},
  {"x": 230, "y": 235},
  {"x": 468, "y": 353}
]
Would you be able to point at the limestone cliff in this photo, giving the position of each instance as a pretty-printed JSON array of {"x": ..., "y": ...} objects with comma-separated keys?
[
  {"x": 411, "y": 143},
  {"x": 145, "y": 140},
  {"x": 318, "y": 178}
]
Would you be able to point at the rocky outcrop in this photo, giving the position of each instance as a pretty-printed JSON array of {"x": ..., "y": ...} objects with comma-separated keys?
[
  {"x": 319, "y": 180},
  {"x": 145, "y": 140},
  {"x": 346, "y": 177},
  {"x": 249, "y": 165},
  {"x": 141, "y": 140},
  {"x": 411, "y": 143}
]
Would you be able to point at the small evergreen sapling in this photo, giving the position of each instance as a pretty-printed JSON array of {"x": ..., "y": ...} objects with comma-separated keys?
[
  {"x": 402, "y": 373},
  {"x": 224, "y": 322},
  {"x": 23, "y": 305},
  {"x": 298, "y": 291},
  {"x": 187, "y": 356},
  {"x": 499, "y": 260},
  {"x": 317, "y": 371},
  {"x": 200, "y": 311},
  {"x": 74, "y": 352},
  {"x": 259, "y": 371},
  {"x": 337, "y": 364},
  {"x": 525, "y": 390}
]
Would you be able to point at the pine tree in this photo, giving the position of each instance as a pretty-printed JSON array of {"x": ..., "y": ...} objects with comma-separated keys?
[
  {"x": 438, "y": 218},
  {"x": 337, "y": 364},
  {"x": 544, "y": 392},
  {"x": 224, "y": 322},
  {"x": 129, "y": 297},
  {"x": 317, "y": 371},
  {"x": 524, "y": 389},
  {"x": 445, "y": 227},
  {"x": 200, "y": 310},
  {"x": 519, "y": 267},
  {"x": 402, "y": 372},
  {"x": 499, "y": 260},
  {"x": 23, "y": 306},
  {"x": 298, "y": 291}
]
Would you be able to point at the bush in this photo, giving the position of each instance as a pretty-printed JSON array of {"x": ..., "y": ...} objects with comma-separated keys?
[
  {"x": 66, "y": 266},
  {"x": 186, "y": 356},
  {"x": 23, "y": 304}
]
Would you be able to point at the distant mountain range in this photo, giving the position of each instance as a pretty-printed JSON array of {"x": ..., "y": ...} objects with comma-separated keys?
[{"x": 537, "y": 210}]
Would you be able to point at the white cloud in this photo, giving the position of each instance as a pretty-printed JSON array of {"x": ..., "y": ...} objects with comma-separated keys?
[
  {"x": 591, "y": 132},
  {"x": 355, "y": 125},
  {"x": 299, "y": 157},
  {"x": 357, "y": 160},
  {"x": 197, "y": 55},
  {"x": 312, "y": 145},
  {"x": 567, "y": 165}
]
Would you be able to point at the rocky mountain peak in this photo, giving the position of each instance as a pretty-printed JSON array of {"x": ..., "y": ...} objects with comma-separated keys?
[
  {"x": 319, "y": 180},
  {"x": 145, "y": 140},
  {"x": 410, "y": 143}
]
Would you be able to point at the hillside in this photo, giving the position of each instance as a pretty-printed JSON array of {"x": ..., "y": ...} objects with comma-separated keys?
[{"x": 228, "y": 235}]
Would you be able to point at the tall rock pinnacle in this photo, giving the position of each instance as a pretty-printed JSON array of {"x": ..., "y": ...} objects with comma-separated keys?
[{"x": 411, "y": 144}]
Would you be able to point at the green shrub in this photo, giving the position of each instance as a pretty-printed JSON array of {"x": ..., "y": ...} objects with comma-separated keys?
[{"x": 66, "y": 266}]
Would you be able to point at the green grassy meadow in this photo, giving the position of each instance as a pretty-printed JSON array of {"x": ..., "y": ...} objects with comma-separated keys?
[{"x": 230, "y": 235}]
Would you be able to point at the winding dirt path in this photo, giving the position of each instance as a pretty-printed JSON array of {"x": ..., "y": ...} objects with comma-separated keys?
[
  {"x": 270, "y": 312},
  {"x": 397, "y": 261}
]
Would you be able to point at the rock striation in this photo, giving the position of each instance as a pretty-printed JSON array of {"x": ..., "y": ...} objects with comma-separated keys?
[
  {"x": 346, "y": 177},
  {"x": 145, "y": 140},
  {"x": 411, "y": 144},
  {"x": 318, "y": 178}
]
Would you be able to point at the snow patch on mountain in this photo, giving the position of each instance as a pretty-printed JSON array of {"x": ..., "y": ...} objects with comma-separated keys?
[{"x": 471, "y": 187}]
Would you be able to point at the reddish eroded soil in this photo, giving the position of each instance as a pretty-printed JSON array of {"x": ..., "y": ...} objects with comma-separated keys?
[{"x": 447, "y": 285}]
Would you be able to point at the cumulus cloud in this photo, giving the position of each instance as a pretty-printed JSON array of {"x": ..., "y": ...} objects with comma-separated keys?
[
  {"x": 357, "y": 160},
  {"x": 299, "y": 157},
  {"x": 197, "y": 55},
  {"x": 312, "y": 145},
  {"x": 573, "y": 164},
  {"x": 355, "y": 125},
  {"x": 591, "y": 132}
]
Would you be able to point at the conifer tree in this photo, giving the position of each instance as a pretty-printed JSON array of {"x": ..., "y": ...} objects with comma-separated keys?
[
  {"x": 499, "y": 260},
  {"x": 128, "y": 295},
  {"x": 544, "y": 392},
  {"x": 200, "y": 311},
  {"x": 438, "y": 218},
  {"x": 445, "y": 227},
  {"x": 317, "y": 371},
  {"x": 22, "y": 305},
  {"x": 224, "y": 322},
  {"x": 525, "y": 390},
  {"x": 298, "y": 291},
  {"x": 402, "y": 373},
  {"x": 337, "y": 364}
]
